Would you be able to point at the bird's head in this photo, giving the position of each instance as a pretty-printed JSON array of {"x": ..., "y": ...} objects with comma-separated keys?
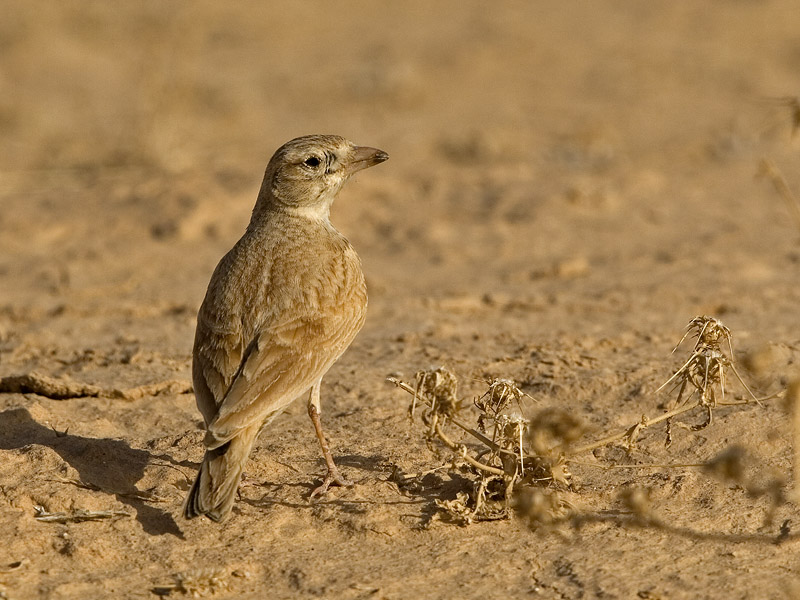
[{"x": 305, "y": 174}]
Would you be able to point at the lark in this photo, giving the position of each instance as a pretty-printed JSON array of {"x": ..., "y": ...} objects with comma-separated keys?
[{"x": 282, "y": 306}]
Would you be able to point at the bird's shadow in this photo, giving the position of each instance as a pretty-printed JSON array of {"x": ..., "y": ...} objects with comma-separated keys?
[
  {"x": 110, "y": 465},
  {"x": 421, "y": 491}
]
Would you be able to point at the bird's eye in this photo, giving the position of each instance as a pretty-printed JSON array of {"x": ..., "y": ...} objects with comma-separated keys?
[{"x": 312, "y": 161}]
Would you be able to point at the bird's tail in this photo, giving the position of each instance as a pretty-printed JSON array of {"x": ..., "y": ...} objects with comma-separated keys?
[{"x": 214, "y": 491}]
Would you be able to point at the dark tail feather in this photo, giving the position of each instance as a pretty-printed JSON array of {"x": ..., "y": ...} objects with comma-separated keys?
[{"x": 214, "y": 491}]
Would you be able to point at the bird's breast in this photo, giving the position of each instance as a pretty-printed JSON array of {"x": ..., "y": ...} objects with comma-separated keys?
[{"x": 320, "y": 274}]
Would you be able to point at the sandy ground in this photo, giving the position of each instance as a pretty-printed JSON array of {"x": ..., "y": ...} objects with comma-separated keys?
[{"x": 568, "y": 186}]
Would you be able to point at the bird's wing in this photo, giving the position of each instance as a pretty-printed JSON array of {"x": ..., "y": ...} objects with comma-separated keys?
[
  {"x": 284, "y": 361},
  {"x": 218, "y": 355}
]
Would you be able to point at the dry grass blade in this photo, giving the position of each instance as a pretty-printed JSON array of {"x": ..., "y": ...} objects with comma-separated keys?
[
  {"x": 631, "y": 432},
  {"x": 76, "y": 516},
  {"x": 440, "y": 387}
]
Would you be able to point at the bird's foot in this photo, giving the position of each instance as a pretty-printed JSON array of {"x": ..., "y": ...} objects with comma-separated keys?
[{"x": 333, "y": 477}]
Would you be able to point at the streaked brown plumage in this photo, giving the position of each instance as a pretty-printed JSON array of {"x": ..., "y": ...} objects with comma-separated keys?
[{"x": 281, "y": 307}]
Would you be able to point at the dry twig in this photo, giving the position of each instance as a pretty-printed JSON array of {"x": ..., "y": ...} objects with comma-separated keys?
[{"x": 76, "y": 516}]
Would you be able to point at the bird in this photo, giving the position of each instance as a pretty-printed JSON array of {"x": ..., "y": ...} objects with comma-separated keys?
[{"x": 281, "y": 307}]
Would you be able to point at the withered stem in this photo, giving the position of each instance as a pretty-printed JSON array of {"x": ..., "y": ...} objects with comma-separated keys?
[
  {"x": 643, "y": 423},
  {"x": 457, "y": 448},
  {"x": 647, "y": 422}
]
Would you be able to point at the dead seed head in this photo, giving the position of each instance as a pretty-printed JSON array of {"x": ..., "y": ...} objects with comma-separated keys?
[
  {"x": 730, "y": 465},
  {"x": 553, "y": 430},
  {"x": 510, "y": 428},
  {"x": 542, "y": 506},
  {"x": 560, "y": 473},
  {"x": 501, "y": 393},
  {"x": 637, "y": 500},
  {"x": 710, "y": 332},
  {"x": 439, "y": 388}
]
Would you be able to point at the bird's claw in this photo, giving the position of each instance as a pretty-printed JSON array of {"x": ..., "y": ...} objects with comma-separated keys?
[{"x": 333, "y": 477}]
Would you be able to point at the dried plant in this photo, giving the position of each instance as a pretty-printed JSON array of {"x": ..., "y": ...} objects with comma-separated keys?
[
  {"x": 503, "y": 457},
  {"x": 76, "y": 516},
  {"x": 439, "y": 387},
  {"x": 553, "y": 430},
  {"x": 500, "y": 395},
  {"x": 703, "y": 374},
  {"x": 705, "y": 369},
  {"x": 543, "y": 507},
  {"x": 522, "y": 462}
]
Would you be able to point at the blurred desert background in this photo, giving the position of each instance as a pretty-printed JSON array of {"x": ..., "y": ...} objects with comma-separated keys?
[{"x": 569, "y": 184}]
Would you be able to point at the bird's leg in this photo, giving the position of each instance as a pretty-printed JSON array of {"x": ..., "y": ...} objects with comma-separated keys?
[{"x": 333, "y": 476}]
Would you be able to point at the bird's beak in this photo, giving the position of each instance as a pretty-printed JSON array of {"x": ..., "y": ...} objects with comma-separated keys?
[{"x": 364, "y": 157}]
